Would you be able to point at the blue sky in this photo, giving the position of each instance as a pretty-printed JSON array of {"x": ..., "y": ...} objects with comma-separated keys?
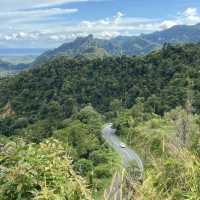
[{"x": 49, "y": 23}]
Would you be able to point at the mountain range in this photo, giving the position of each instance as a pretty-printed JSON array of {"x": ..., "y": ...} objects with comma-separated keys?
[
  {"x": 128, "y": 45},
  {"x": 91, "y": 47}
]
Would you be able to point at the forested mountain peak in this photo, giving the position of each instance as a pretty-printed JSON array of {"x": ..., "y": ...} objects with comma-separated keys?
[{"x": 127, "y": 45}]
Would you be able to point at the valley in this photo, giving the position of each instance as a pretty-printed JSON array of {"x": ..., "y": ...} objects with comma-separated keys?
[
  {"x": 99, "y": 100},
  {"x": 153, "y": 102}
]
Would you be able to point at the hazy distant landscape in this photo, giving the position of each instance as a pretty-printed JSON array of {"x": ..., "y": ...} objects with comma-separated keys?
[
  {"x": 12, "y": 60},
  {"x": 17, "y": 59},
  {"x": 91, "y": 47},
  {"x": 99, "y": 100},
  {"x": 17, "y": 56}
]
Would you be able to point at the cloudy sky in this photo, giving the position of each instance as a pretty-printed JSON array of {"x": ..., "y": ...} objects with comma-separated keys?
[{"x": 49, "y": 23}]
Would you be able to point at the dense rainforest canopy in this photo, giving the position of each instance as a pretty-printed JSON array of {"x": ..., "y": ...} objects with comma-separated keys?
[
  {"x": 51, "y": 119},
  {"x": 60, "y": 87}
]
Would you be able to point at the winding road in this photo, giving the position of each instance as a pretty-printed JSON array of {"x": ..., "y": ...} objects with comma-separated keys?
[{"x": 126, "y": 153}]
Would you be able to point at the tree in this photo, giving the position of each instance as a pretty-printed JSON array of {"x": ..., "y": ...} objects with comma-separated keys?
[{"x": 116, "y": 106}]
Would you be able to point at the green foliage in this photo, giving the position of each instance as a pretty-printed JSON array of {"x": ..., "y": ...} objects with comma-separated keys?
[
  {"x": 83, "y": 166},
  {"x": 60, "y": 99},
  {"x": 91, "y": 157},
  {"x": 102, "y": 171},
  {"x": 79, "y": 136},
  {"x": 176, "y": 177},
  {"x": 82, "y": 132},
  {"x": 172, "y": 171},
  {"x": 93, "y": 119},
  {"x": 39, "y": 168},
  {"x": 59, "y": 88},
  {"x": 99, "y": 157},
  {"x": 41, "y": 171},
  {"x": 37, "y": 132}
]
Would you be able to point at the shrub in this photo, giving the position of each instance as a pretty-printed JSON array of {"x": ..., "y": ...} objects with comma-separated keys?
[{"x": 40, "y": 172}]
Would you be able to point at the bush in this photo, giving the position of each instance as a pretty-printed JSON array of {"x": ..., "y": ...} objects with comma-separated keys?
[
  {"x": 40, "y": 172},
  {"x": 155, "y": 123},
  {"x": 83, "y": 166},
  {"x": 99, "y": 157},
  {"x": 102, "y": 171}
]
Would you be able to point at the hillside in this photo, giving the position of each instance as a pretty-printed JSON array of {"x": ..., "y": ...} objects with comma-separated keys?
[
  {"x": 143, "y": 44},
  {"x": 86, "y": 47},
  {"x": 169, "y": 148},
  {"x": 61, "y": 106},
  {"x": 65, "y": 85},
  {"x": 126, "y": 45}
]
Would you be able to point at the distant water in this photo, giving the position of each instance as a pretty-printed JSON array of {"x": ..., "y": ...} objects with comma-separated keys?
[{"x": 21, "y": 51}]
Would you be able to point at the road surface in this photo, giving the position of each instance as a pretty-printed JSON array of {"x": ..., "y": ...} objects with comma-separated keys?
[{"x": 126, "y": 153}]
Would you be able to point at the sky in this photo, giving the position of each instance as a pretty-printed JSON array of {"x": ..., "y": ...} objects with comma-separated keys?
[{"x": 49, "y": 23}]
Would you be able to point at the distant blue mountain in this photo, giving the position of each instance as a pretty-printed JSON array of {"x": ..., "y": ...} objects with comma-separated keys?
[
  {"x": 23, "y": 54},
  {"x": 133, "y": 45},
  {"x": 6, "y": 66},
  {"x": 91, "y": 47}
]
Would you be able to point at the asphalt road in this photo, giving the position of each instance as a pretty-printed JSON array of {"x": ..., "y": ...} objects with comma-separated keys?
[{"x": 126, "y": 153}]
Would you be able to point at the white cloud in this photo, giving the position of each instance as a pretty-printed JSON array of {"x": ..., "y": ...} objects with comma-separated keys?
[
  {"x": 118, "y": 17},
  {"x": 40, "y": 28},
  {"x": 9, "y": 5},
  {"x": 190, "y": 12},
  {"x": 117, "y": 25},
  {"x": 56, "y": 33},
  {"x": 32, "y": 15},
  {"x": 49, "y": 3},
  {"x": 58, "y": 37},
  {"x": 189, "y": 17},
  {"x": 167, "y": 24}
]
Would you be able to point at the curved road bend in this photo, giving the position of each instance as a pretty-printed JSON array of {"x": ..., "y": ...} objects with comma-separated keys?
[{"x": 127, "y": 154}]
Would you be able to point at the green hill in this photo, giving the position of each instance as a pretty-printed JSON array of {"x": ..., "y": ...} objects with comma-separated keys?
[
  {"x": 54, "y": 113},
  {"x": 64, "y": 85}
]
